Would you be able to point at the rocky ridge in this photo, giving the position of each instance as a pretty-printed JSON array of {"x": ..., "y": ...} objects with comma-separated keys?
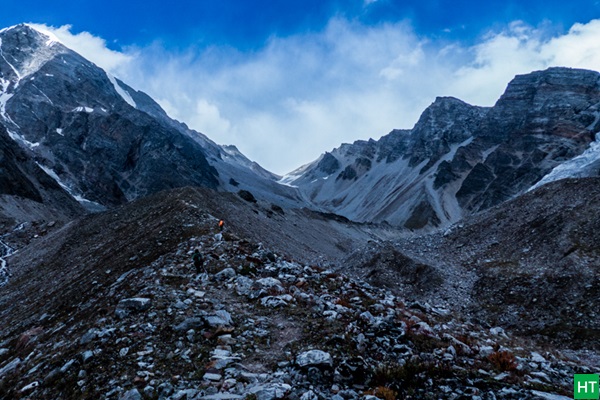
[
  {"x": 460, "y": 159},
  {"x": 252, "y": 323}
]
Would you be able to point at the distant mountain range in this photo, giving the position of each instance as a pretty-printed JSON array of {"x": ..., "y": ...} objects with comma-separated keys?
[
  {"x": 460, "y": 159},
  {"x": 105, "y": 144}
]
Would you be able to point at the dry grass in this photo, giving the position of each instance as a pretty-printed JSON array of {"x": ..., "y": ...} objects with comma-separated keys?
[{"x": 503, "y": 361}]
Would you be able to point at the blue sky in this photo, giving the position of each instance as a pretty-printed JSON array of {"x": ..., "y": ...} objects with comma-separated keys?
[
  {"x": 308, "y": 75},
  {"x": 247, "y": 24}
]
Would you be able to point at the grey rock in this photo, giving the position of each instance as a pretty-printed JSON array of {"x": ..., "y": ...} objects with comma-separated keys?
[
  {"x": 271, "y": 391},
  {"x": 67, "y": 366},
  {"x": 185, "y": 394},
  {"x": 190, "y": 323},
  {"x": 135, "y": 304},
  {"x": 87, "y": 355},
  {"x": 10, "y": 367},
  {"x": 310, "y": 395},
  {"x": 30, "y": 387},
  {"x": 314, "y": 358},
  {"x": 165, "y": 389},
  {"x": 548, "y": 396},
  {"x": 485, "y": 351},
  {"x": 89, "y": 336},
  {"x": 225, "y": 274},
  {"x": 222, "y": 396},
  {"x": 220, "y": 318},
  {"x": 132, "y": 394},
  {"x": 52, "y": 376},
  {"x": 273, "y": 302},
  {"x": 537, "y": 357},
  {"x": 243, "y": 285},
  {"x": 209, "y": 376}
]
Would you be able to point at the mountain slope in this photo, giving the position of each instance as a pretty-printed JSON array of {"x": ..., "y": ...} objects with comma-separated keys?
[
  {"x": 110, "y": 306},
  {"x": 538, "y": 262},
  {"x": 100, "y": 138},
  {"x": 27, "y": 193},
  {"x": 460, "y": 159}
]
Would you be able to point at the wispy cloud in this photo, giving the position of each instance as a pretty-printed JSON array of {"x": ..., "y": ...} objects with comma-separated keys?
[
  {"x": 304, "y": 94},
  {"x": 89, "y": 46}
]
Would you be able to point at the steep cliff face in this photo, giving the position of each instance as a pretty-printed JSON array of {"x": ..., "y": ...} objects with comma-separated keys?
[
  {"x": 460, "y": 159},
  {"x": 27, "y": 193},
  {"x": 86, "y": 127},
  {"x": 105, "y": 141}
]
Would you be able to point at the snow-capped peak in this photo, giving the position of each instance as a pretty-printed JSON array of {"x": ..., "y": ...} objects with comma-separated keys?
[
  {"x": 52, "y": 38},
  {"x": 36, "y": 58}
]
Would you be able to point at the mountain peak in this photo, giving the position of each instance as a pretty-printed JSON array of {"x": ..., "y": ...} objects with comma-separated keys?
[
  {"x": 557, "y": 80},
  {"x": 33, "y": 32},
  {"x": 25, "y": 50}
]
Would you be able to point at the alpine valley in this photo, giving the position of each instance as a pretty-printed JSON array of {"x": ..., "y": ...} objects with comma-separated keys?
[{"x": 455, "y": 260}]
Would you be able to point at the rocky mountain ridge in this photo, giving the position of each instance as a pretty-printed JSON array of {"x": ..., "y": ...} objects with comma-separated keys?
[
  {"x": 460, "y": 159},
  {"x": 132, "y": 318},
  {"x": 102, "y": 140}
]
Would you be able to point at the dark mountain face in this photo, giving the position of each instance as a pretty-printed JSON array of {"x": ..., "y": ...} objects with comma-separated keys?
[
  {"x": 86, "y": 127},
  {"x": 460, "y": 159},
  {"x": 26, "y": 192}
]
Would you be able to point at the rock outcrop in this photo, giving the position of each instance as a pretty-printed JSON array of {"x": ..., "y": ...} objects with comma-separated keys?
[{"x": 460, "y": 159}]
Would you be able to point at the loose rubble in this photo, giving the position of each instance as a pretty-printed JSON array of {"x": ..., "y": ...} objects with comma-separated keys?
[{"x": 259, "y": 326}]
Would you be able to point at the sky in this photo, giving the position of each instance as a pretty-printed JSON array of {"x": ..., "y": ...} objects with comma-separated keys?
[{"x": 286, "y": 81}]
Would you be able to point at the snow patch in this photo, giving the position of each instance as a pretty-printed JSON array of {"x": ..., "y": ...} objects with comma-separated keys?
[
  {"x": 60, "y": 131},
  {"x": 36, "y": 60},
  {"x": 4, "y": 97},
  {"x": 289, "y": 178},
  {"x": 68, "y": 189},
  {"x": 575, "y": 167},
  {"x": 6, "y": 251},
  {"x": 20, "y": 138},
  {"x": 122, "y": 92},
  {"x": 83, "y": 109},
  {"x": 43, "y": 94}
]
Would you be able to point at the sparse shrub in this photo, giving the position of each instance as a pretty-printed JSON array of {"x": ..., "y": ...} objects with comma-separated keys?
[
  {"x": 503, "y": 360},
  {"x": 28, "y": 339},
  {"x": 404, "y": 379},
  {"x": 277, "y": 209},
  {"x": 383, "y": 392},
  {"x": 344, "y": 301}
]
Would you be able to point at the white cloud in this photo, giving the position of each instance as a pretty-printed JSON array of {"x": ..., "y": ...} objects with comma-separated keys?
[
  {"x": 299, "y": 96},
  {"x": 89, "y": 46}
]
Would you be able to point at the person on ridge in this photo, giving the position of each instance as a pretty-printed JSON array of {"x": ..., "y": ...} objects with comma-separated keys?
[
  {"x": 221, "y": 224},
  {"x": 198, "y": 261}
]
